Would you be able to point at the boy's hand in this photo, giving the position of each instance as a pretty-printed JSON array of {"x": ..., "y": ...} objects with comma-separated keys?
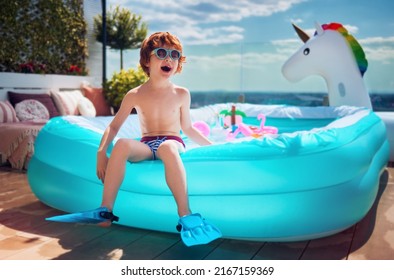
[{"x": 102, "y": 161}]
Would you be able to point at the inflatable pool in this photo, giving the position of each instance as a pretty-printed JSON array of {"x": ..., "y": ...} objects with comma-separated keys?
[{"x": 317, "y": 176}]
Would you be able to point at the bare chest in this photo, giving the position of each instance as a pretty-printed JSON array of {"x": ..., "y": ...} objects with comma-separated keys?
[{"x": 160, "y": 113}]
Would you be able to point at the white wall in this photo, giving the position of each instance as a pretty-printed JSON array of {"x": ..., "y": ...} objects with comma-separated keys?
[{"x": 38, "y": 83}]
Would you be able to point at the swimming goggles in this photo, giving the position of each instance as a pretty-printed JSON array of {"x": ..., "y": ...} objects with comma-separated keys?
[{"x": 162, "y": 53}]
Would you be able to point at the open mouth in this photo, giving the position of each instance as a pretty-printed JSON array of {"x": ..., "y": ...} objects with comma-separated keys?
[{"x": 166, "y": 68}]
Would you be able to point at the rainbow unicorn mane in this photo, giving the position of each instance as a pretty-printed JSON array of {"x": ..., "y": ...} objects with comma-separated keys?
[{"x": 357, "y": 50}]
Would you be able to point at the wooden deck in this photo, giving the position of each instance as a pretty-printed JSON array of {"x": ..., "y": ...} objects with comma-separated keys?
[{"x": 25, "y": 235}]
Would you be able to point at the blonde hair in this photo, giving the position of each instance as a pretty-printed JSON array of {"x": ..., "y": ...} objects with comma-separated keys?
[{"x": 157, "y": 40}]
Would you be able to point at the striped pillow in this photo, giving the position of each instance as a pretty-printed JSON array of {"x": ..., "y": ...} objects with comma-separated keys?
[
  {"x": 67, "y": 101},
  {"x": 7, "y": 113}
]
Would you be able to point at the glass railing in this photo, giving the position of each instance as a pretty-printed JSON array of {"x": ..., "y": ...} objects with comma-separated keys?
[{"x": 251, "y": 72}]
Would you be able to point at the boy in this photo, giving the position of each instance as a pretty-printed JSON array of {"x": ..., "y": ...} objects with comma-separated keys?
[{"x": 163, "y": 109}]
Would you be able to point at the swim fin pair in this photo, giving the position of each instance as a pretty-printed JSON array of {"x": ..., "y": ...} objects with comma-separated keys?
[
  {"x": 95, "y": 216},
  {"x": 195, "y": 230}
]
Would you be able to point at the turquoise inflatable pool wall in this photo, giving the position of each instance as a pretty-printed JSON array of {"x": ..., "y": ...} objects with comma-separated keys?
[{"x": 292, "y": 186}]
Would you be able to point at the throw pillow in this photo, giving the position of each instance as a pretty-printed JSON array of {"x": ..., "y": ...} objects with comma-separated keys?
[
  {"x": 67, "y": 101},
  {"x": 7, "y": 112},
  {"x": 96, "y": 95},
  {"x": 44, "y": 98},
  {"x": 86, "y": 107},
  {"x": 31, "y": 110}
]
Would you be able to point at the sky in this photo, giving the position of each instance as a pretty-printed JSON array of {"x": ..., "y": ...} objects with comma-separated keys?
[{"x": 241, "y": 45}]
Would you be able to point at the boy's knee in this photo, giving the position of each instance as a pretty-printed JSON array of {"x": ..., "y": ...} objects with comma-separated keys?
[
  {"x": 122, "y": 148},
  {"x": 121, "y": 144},
  {"x": 168, "y": 147}
]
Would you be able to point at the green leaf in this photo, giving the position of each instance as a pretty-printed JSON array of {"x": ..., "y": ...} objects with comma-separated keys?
[
  {"x": 229, "y": 113},
  {"x": 122, "y": 82},
  {"x": 50, "y": 33}
]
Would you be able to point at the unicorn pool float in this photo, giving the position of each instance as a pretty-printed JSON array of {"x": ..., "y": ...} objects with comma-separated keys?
[{"x": 315, "y": 174}]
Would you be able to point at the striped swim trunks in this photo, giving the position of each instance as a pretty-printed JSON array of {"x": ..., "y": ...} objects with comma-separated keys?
[{"x": 154, "y": 142}]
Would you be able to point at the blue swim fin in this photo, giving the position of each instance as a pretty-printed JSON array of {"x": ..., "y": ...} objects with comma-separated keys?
[
  {"x": 88, "y": 217},
  {"x": 196, "y": 231}
]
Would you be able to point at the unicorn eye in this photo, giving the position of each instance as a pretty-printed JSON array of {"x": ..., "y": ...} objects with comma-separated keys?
[{"x": 307, "y": 51}]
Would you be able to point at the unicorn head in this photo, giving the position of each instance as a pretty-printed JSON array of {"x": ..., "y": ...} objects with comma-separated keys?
[{"x": 335, "y": 55}]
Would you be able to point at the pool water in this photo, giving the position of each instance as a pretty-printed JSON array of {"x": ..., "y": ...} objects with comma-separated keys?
[{"x": 288, "y": 125}]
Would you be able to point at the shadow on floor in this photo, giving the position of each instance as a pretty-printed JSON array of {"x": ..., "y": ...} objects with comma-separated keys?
[{"x": 78, "y": 242}]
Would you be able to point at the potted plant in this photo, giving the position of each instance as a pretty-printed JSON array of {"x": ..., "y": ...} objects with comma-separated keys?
[{"x": 120, "y": 83}]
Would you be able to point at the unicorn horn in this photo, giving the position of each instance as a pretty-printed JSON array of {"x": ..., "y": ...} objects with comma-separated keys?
[{"x": 303, "y": 36}]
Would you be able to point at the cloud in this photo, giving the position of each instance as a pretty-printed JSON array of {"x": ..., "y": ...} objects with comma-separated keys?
[
  {"x": 234, "y": 10},
  {"x": 351, "y": 28},
  {"x": 201, "y": 21},
  {"x": 378, "y": 48},
  {"x": 249, "y": 60},
  {"x": 287, "y": 47},
  {"x": 225, "y": 61},
  {"x": 377, "y": 40},
  {"x": 297, "y": 21},
  {"x": 383, "y": 54},
  {"x": 256, "y": 60},
  {"x": 212, "y": 36}
]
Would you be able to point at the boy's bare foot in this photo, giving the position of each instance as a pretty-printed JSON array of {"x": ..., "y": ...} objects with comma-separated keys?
[
  {"x": 107, "y": 223},
  {"x": 109, "y": 216}
]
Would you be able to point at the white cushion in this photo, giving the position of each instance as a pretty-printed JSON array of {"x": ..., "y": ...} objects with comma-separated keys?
[{"x": 86, "y": 107}]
